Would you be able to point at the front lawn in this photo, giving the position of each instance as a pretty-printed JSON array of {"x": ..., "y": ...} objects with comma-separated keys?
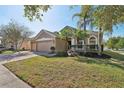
[
  {"x": 8, "y": 52},
  {"x": 115, "y": 55},
  {"x": 68, "y": 72}
]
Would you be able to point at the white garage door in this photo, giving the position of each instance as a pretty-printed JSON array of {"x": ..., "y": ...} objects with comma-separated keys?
[{"x": 44, "y": 45}]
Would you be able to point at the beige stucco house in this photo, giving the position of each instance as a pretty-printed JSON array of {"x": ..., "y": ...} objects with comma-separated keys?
[
  {"x": 44, "y": 40},
  {"x": 91, "y": 41}
]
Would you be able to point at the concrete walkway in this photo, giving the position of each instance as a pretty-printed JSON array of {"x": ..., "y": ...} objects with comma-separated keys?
[
  {"x": 120, "y": 52},
  {"x": 9, "y": 80}
]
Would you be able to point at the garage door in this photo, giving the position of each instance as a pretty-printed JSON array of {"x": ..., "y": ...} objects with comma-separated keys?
[{"x": 44, "y": 45}]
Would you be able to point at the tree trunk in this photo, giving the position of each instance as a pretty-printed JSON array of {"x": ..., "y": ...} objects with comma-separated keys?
[
  {"x": 85, "y": 49},
  {"x": 100, "y": 37},
  {"x": 84, "y": 24},
  {"x": 16, "y": 45},
  {"x": 84, "y": 37}
]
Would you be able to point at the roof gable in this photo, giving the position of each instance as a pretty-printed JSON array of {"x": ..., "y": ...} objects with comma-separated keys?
[
  {"x": 74, "y": 29},
  {"x": 68, "y": 28},
  {"x": 44, "y": 33}
]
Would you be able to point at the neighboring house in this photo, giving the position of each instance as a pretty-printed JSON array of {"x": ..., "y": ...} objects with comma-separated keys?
[
  {"x": 26, "y": 44},
  {"x": 44, "y": 40}
]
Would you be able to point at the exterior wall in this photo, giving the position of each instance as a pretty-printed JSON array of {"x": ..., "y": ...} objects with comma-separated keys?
[
  {"x": 33, "y": 46},
  {"x": 60, "y": 45},
  {"x": 91, "y": 34},
  {"x": 26, "y": 45}
]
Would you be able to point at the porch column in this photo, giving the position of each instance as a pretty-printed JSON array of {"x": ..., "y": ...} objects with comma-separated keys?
[{"x": 73, "y": 42}]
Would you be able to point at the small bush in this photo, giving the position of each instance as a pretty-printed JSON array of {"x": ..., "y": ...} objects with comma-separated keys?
[
  {"x": 23, "y": 49},
  {"x": 62, "y": 54},
  {"x": 52, "y": 49}
]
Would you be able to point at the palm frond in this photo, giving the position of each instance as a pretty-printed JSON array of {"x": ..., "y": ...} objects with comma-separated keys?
[{"x": 77, "y": 15}]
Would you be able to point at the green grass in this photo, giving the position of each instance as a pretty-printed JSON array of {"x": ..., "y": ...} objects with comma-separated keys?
[
  {"x": 115, "y": 55},
  {"x": 8, "y": 52},
  {"x": 68, "y": 72}
]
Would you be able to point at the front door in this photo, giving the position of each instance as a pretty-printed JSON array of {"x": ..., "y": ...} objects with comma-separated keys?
[{"x": 69, "y": 44}]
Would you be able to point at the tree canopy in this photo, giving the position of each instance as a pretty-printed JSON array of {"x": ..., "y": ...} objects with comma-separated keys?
[
  {"x": 115, "y": 43},
  {"x": 107, "y": 16},
  {"x": 14, "y": 33},
  {"x": 33, "y": 12}
]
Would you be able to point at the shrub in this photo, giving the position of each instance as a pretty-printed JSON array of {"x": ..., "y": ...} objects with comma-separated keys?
[
  {"x": 62, "y": 54},
  {"x": 23, "y": 49},
  {"x": 52, "y": 49}
]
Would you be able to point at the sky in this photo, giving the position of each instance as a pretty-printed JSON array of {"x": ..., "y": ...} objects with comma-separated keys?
[{"x": 54, "y": 20}]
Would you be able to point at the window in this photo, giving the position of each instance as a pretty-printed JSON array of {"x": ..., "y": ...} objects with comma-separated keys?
[
  {"x": 92, "y": 41},
  {"x": 80, "y": 42}
]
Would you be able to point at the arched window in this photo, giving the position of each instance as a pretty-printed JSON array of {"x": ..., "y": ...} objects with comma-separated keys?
[{"x": 92, "y": 40}]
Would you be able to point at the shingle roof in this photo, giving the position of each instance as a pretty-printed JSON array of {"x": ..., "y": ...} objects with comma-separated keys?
[
  {"x": 69, "y": 27},
  {"x": 66, "y": 27},
  {"x": 74, "y": 29}
]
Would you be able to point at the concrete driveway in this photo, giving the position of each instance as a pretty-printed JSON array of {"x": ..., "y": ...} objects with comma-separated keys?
[{"x": 15, "y": 57}]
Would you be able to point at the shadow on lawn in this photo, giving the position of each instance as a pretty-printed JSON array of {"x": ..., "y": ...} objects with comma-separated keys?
[
  {"x": 105, "y": 61},
  {"x": 90, "y": 58}
]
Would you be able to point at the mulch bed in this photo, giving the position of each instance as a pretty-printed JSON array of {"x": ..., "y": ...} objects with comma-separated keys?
[{"x": 95, "y": 55}]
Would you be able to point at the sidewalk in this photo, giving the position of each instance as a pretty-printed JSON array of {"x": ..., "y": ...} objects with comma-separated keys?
[
  {"x": 9, "y": 80},
  {"x": 120, "y": 52}
]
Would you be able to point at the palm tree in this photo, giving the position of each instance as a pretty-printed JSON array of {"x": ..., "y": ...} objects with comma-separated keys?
[
  {"x": 67, "y": 33},
  {"x": 85, "y": 18}
]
